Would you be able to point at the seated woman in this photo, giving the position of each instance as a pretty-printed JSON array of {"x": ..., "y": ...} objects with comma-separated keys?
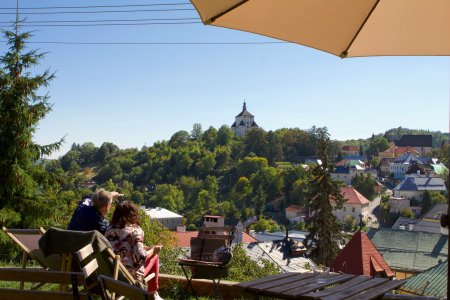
[{"x": 127, "y": 240}]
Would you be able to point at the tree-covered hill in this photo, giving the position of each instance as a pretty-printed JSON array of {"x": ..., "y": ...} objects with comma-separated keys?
[{"x": 212, "y": 171}]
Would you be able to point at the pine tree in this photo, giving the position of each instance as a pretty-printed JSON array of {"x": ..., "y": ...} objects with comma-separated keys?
[
  {"x": 23, "y": 179},
  {"x": 324, "y": 229}
]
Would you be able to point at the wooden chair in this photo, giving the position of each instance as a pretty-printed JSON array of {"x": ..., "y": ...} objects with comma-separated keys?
[
  {"x": 112, "y": 287},
  {"x": 89, "y": 264},
  {"x": 201, "y": 263},
  {"x": 27, "y": 241},
  {"x": 75, "y": 279}
]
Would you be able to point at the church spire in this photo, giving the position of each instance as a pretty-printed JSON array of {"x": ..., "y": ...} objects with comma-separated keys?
[{"x": 244, "y": 107}]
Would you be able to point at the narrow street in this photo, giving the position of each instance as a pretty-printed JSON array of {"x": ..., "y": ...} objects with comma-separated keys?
[{"x": 374, "y": 212}]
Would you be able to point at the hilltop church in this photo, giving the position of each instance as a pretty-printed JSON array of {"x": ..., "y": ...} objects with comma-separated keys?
[{"x": 244, "y": 122}]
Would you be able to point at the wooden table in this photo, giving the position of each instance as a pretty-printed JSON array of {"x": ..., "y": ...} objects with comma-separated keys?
[{"x": 293, "y": 285}]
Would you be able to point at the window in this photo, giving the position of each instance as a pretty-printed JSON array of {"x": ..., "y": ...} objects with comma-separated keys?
[
  {"x": 345, "y": 209},
  {"x": 353, "y": 209}
]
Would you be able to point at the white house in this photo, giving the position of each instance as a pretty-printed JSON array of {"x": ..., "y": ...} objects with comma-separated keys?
[
  {"x": 244, "y": 122},
  {"x": 295, "y": 213},
  {"x": 346, "y": 170},
  {"x": 355, "y": 205},
  {"x": 414, "y": 186},
  {"x": 167, "y": 218}
]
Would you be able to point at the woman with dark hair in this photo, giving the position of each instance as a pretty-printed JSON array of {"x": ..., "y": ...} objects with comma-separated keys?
[{"x": 127, "y": 240}]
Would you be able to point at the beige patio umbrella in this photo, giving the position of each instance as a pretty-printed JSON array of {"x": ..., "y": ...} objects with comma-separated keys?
[{"x": 346, "y": 28}]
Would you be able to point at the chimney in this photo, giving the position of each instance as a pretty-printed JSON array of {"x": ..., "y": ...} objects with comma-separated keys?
[{"x": 181, "y": 228}]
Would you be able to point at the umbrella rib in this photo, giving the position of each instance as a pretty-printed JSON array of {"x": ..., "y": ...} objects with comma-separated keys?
[
  {"x": 212, "y": 19},
  {"x": 345, "y": 52}
]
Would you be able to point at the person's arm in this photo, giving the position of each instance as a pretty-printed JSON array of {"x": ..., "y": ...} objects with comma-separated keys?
[{"x": 153, "y": 250}]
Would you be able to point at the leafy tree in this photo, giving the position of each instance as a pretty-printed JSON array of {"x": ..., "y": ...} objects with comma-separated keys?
[
  {"x": 349, "y": 223},
  {"x": 365, "y": 184},
  {"x": 243, "y": 268},
  {"x": 210, "y": 138},
  {"x": 224, "y": 135},
  {"x": 255, "y": 142},
  {"x": 197, "y": 132},
  {"x": 406, "y": 212},
  {"x": 375, "y": 161},
  {"x": 274, "y": 147},
  {"x": 426, "y": 201},
  {"x": 264, "y": 224},
  {"x": 324, "y": 229},
  {"x": 251, "y": 165},
  {"x": 179, "y": 138},
  {"x": 105, "y": 151},
  {"x": 223, "y": 156},
  {"x": 169, "y": 197},
  {"x": 377, "y": 144},
  {"x": 25, "y": 186},
  {"x": 87, "y": 153},
  {"x": 69, "y": 161}
]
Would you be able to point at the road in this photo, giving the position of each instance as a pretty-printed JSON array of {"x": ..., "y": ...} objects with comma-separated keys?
[{"x": 374, "y": 212}]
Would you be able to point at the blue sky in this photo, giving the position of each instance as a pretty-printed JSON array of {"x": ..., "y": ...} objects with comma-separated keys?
[{"x": 134, "y": 95}]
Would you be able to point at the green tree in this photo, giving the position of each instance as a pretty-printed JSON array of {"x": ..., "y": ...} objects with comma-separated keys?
[
  {"x": 179, "y": 138},
  {"x": 224, "y": 135},
  {"x": 426, "y": 202},
  {"x": 255, "y": 142},
  {"x": 210, "y": 138},
  {"x": 324, "y": 229},
  {"x": 250, "y": 165},
  {"x": 25, "y": 186},
  {"x": 274, "y": 147},
  {"x": 197, "y": 132},
  {"x": 377, "y": 144},
  {"x": 169, "y": 197},
  {"x": 365, "y": 184}
]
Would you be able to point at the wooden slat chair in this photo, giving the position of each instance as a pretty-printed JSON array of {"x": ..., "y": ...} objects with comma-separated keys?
[
  {"x": 201, "y": 263},
  {"x": 89, "y": 264},
  {"x": 75, "y": 279},
  {"x": 27, "y": 240},
  {"x": 112, "y": 287}
]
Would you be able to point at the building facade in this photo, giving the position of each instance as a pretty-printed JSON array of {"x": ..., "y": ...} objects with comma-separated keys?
[{"x": 244, "y": 122}]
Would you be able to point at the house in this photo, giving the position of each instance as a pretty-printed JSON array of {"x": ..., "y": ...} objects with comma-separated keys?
[
  {"x": 355, "y": 205},
  {"x": 430, "y": 283},
  {"x": 401, "y": 165},
  {"x": 399, "y": 203},
  {"x": 413, "y": 186},
  {"x": 295, "y": 213},
  {"x": 395, "y": 151},
  {"x": 425, "y": 224},
  {"x": 422, "y": 143},
  {"x": 244, "y": 122},
  {"x": 276, "y": 253},
  {"x": 166, "y": 217},
  {"x": 360, "y": 257},
  {"x": 346, "y": 170},
  {"x": 409, "y": 252},
  {"x": 350, "y": 150}
]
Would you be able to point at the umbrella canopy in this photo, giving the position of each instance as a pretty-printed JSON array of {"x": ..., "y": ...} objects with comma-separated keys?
[{"x": 346, "y": 28}]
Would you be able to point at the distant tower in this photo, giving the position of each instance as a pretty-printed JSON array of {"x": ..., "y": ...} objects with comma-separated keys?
[{"x": 244, "y": 122}]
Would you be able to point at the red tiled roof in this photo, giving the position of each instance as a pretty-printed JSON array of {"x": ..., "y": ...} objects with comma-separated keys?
[
  {"x": 360, "y": 257},
  {"x": 351, "y": 196},
  {"x": 184, "y": 238},
  {"x": 350, "y": 148},
  {"x": 293, "y": 208}
]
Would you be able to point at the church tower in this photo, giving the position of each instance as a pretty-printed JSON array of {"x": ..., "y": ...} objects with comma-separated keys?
[{"x": 244, "y": 122}]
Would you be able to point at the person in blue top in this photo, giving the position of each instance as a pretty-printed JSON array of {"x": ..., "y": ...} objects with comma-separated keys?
[{"x": 91, "y": 216}]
